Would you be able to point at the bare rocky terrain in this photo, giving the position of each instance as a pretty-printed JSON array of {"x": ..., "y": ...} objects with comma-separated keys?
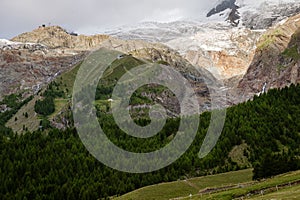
[{"x": 26, "y": 68}]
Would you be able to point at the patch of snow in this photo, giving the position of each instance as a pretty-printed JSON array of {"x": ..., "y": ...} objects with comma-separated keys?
[{"x": 5, "y": 42}]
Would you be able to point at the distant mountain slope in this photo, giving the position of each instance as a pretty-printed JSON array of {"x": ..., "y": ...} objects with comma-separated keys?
[{"x": 276, "y": 63}]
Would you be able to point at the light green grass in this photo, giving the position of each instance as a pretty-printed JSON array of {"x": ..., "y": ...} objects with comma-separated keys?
[
  {"x": 185, "y": 188},
  {"x": 161, "y": 191},
  {"x": 220, "y": 180},
  {"x": 240, "y": 183},
  {"x": 269, "y": 39},
  {"x": 242, "y": 192},
  {"x": 285, "y": 194}
]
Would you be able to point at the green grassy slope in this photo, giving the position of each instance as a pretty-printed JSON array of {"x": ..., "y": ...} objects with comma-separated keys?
[
  {"x": 259, "y": 189},
  {"x": 186, "y": 187},
  {"x": 289, "y": 193},
  {"x": 66, "y": 82},
  {"x": 223, "y": 186}
]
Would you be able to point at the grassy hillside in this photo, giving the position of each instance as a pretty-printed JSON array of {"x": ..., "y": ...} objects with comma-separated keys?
[
  {"x": 193, "y": 186},
  {"x": 289, "y": 193},
  {"x": 258, "y": 189},
  {"x": 223, "y": 186}
]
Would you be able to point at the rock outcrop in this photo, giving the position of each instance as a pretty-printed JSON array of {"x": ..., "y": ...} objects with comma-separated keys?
[{"x": 57, "y": 37}]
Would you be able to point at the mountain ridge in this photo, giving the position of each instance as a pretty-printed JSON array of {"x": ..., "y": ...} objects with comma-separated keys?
[{"x": 57, "y": 37}]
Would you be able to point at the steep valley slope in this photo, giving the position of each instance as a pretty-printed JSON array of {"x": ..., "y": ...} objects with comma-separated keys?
[{"x": 276, "y": 61}]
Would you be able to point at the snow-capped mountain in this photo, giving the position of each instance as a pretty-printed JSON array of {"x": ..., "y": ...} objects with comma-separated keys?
[
  {"x": 259, "y": 14},
  {"x": 229, "y": 29}
]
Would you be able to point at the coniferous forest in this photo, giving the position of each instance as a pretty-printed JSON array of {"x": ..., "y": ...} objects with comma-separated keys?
[{"x": 54, "y": 164}]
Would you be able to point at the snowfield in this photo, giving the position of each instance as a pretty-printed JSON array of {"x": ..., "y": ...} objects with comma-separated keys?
[{"x": 213, "y": 33}]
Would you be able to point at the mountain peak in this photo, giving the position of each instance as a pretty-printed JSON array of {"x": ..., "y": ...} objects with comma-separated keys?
[
  {"x": 233, "y": 16},
  {"x": 58, "y": 37},
  {"x": 222, "y": 6}
]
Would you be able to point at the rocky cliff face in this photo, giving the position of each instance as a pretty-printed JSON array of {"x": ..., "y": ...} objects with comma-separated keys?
[
  {"x": 57, "y": 37},
  {"x": 276, "y": 63},
  {"x": 155, "y": 52},
  {"x": 232, "y": 50},
  {"x": 260, "y": 14},
  {"x": 26, "y": 67}
]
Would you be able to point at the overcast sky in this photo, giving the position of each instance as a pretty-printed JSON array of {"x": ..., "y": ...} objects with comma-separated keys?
[{"x": 87, "y": 16}]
